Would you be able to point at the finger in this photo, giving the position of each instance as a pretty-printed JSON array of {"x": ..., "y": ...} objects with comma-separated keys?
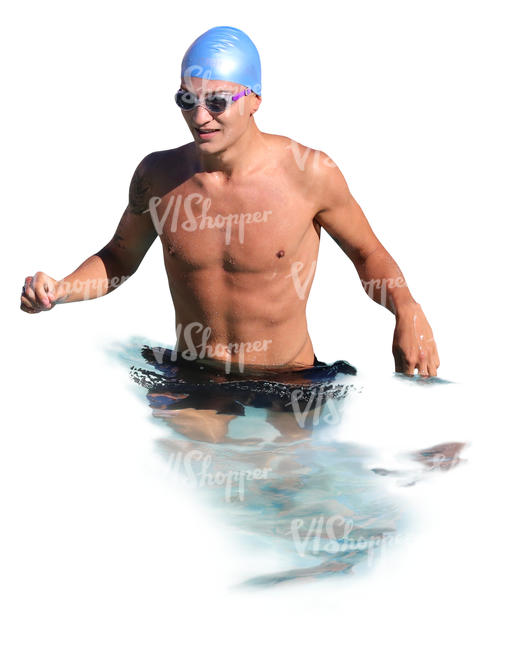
[
  {"x": 41, "y": 295},
  {"x": 410, "y": 367},
  {"x": 28, "y": 303},
  {"x": 398, "y": 359},
  {"x": 27, "y": 287},
  {"x": 422, "y": 364},
  {"x": 29, "y": 294},
  {"x": 24, "y": 306},
  {"x": 434, "y": 355}
]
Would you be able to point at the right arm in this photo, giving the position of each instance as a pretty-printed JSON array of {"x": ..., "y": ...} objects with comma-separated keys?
[{"x": 107, "y": 269}]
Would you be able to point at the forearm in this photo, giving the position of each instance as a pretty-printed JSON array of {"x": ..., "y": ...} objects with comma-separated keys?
[
  {"x": 383, "y": 281},
  {"x": 95, "y": 277}
]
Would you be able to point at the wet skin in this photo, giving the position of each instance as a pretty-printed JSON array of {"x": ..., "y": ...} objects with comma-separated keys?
[{"x": 240, "y": 282}]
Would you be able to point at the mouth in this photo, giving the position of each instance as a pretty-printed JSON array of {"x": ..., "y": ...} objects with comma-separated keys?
[{"x": 205, "y": 134}]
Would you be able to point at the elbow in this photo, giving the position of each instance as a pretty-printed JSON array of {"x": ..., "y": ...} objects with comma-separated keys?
[
  {"x": 117, "y": 266},
  {"x": 375, "y": 255},
  {"x": 365, "y": 254}
]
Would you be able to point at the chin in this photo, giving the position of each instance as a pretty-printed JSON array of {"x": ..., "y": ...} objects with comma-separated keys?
[{"x": 209, "y": 147}]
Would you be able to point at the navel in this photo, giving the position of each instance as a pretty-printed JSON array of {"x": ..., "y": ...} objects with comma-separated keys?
[{"x": 280, "y": 254}]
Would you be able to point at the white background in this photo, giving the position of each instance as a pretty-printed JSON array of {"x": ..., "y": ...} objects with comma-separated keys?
[{"x": 418, "y": 103}]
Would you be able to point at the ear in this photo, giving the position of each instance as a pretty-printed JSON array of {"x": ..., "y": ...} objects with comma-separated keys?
[{"x": 256, "y": 103}]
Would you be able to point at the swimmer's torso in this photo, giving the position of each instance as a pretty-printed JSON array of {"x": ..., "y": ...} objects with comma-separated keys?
[{"x": 240, "y": 256}]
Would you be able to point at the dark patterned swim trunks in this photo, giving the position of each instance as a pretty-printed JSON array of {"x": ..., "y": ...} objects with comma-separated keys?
[{"x": 177, "y": 383}]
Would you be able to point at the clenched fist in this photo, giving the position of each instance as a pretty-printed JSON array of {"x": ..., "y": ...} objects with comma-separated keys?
[{"x": 40, "y": 293}]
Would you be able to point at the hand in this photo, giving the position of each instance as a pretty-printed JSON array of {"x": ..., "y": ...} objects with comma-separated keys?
[
  {"x": 413, "y": 345},
  {"x": 40, "y": 293}
]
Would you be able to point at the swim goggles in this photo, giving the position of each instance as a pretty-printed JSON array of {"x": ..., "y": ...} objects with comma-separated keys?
[{"x": 213, "y": 102}]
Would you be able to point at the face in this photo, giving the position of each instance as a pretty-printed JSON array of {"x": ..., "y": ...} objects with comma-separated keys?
[{"x": 215, "y": 132}]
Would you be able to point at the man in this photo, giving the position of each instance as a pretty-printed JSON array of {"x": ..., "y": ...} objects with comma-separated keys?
[{"x": 239, "y": 214}]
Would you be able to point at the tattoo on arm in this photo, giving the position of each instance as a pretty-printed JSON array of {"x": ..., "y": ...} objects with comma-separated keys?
[
  {"x": 139, "y": 192},
  {"x": 118, "y": 240}
]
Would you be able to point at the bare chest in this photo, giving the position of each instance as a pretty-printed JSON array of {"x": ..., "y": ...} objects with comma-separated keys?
[{"x": 249, "y": 227}]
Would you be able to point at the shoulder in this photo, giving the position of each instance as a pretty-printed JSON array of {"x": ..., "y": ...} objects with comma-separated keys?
[
  {"x": 314, "y": 165},
  {"x": 290, "y": 153},
  {"x": 312, "y": 169},
  {"x": 156, "y": 161},
  {"x": 326, "y": 180},
  {"x": 156, "y": 174}
]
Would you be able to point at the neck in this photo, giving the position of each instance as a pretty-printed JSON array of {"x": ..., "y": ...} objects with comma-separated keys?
[{"x": 238, "y": 159}]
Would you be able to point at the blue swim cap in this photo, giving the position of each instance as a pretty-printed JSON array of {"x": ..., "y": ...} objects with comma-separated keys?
[{"x": 224, "y": 53}]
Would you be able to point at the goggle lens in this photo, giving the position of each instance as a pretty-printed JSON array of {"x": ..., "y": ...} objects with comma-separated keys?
[{"x": 215, "y": 103}]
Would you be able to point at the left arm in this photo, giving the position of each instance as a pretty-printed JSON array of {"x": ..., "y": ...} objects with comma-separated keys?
[{"x": 344, "y": 220}]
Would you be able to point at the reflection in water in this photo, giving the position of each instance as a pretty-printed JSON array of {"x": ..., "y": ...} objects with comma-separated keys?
[
  {"x": 439, "y": 457},
  {"x": 264, "y": 451}
]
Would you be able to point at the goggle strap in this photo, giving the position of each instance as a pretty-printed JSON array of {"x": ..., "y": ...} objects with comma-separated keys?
[{"x": 247, "y": 91}]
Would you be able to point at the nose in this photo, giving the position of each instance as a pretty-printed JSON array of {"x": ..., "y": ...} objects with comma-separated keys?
[{"x": 200, "y": 116}]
